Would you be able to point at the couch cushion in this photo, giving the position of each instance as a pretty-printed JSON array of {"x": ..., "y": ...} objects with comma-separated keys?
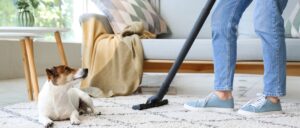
[
  {"x": 247, "y": 49},
  {"x": 121, "y": 13},
  {"x": 293, "y": 23},
  {"x": 181, "y": 16}
]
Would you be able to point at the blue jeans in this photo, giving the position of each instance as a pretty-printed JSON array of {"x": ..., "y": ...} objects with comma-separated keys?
[{"x": 269, "y": 26}]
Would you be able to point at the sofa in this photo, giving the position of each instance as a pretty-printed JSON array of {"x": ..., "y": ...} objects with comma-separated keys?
[{"x": 180, "y": 16}]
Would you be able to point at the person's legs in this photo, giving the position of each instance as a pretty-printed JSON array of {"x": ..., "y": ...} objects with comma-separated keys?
[
  {"x": 269, "y": 26},
  {"x": 225, "y": 19}
]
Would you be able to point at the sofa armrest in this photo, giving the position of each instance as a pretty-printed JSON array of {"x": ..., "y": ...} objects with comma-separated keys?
[{"x": 101, "y": 18}]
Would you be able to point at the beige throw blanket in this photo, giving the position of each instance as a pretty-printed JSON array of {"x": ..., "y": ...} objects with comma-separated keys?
[{"x": 115, "y": 61}]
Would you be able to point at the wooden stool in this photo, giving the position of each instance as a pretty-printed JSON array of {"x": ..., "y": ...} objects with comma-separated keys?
[{"x": 26, "y": 36}]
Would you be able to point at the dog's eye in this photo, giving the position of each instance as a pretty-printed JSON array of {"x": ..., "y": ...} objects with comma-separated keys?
[{"x": 67, "y": 69}]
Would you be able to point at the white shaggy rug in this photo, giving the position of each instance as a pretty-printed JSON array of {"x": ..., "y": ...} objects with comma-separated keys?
[{"x": 117, "y": 113}]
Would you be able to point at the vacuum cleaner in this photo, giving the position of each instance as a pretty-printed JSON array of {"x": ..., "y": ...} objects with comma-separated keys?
[{"x": 157, "y": 100}]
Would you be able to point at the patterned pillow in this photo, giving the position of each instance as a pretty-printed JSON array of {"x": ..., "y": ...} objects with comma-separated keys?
[
  {"x": 292, "y": 27},
  {"x": 121, "y": 13}
]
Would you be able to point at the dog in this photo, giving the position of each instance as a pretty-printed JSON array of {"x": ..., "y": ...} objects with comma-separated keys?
[{"x": 60, "y": 100}]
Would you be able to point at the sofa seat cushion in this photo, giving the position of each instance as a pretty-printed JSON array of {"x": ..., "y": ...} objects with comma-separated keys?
[{"x": 248, "y": 49}]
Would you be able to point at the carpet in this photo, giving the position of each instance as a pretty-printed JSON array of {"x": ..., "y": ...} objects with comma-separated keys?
[{"x": 117, "y": 113}]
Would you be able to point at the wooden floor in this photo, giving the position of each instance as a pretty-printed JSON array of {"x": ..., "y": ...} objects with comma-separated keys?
[{"x": 249, "y": 67}]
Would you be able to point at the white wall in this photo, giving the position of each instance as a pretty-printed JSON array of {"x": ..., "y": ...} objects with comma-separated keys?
[{"x": 46, "y": 55}]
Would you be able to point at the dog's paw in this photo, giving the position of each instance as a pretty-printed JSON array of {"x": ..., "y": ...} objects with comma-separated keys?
[
  {"x": 97, "y": 113},
  {"x": 49, "y": 124},
  {"x": 75, "y": 122},
  {"x": 81, "y": 111},
  {"x": 94, "y": 111}
]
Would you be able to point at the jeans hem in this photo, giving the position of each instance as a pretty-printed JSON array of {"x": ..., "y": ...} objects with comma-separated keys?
[
  {"x": 274, "y": 94},
  {"x": 223, "y": 88}
]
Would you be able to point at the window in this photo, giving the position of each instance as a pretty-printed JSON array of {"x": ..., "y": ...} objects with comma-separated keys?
[
  {"x": 51, "y": 13},
  {"x": 8, "y": 13}
]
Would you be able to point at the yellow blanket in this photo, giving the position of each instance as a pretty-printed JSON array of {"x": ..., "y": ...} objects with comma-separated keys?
[{"x": 115, "y": 61}]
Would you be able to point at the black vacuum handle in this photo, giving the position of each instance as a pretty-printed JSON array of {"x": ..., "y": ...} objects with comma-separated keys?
[
  {"x": 156, "y": 100},
  {"x": 185, "y": 49}
]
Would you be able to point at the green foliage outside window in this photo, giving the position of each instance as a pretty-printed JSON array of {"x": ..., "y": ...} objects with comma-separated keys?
[
  {"x": 8, "y": 13},
  {"x": 49, "y": 13}
]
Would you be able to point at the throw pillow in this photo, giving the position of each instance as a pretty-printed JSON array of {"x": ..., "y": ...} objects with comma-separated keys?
[
  {"x": 121, "y": 13},
  {"x": 292, "y": 27}
]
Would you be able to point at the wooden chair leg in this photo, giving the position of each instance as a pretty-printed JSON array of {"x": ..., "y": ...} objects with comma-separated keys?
[
  {"x": 31, "y": 44},
  {"x": 60, "y": 48},
  {"x": 26, "y": 70},
  {"x": 33, "y": 76}
]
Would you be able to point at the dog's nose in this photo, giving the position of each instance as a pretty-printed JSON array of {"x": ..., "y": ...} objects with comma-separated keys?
[{"x": 86, "y": 70}]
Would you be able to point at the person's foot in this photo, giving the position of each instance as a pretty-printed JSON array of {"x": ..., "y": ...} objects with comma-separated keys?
[
  {"x": 211, "y": 103},
  {"x": 261, "y": 106}
]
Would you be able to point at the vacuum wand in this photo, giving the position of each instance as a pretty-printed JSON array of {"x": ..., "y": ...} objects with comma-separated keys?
[{"x": 156, "y": 100}]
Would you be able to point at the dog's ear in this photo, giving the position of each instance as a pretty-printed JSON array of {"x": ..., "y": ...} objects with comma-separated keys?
[{"x": 49, "y": 73}]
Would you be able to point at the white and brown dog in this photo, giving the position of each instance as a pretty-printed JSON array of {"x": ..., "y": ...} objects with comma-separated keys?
[{"x": 60, "y": 100}]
